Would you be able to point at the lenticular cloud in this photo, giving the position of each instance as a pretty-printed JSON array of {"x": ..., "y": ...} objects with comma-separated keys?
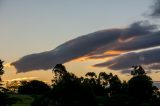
[{"x": 100, "y": 44}]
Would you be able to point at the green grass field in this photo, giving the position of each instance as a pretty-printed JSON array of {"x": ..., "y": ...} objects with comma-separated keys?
[{"x": 23, "y": 100}]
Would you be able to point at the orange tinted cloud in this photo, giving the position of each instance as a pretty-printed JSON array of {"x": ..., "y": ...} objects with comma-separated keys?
[
  {"x": 114, "y": 52},
  {"x": 7, "y": 65},
  {"x": 93, "y": 45},
  {"x": 110, "y": 52},
  {"x": 80, "y": 59},
  {"x": 23, "y": 78}
]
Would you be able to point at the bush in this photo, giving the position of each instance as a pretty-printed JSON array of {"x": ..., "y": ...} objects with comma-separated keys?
[{"x": 34, "y": 87}]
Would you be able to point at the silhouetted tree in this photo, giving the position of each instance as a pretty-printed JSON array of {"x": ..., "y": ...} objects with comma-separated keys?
[
  {"x": 5, "y": 100},
  {"x": 140, "y": 85},
  {"x": 124, "y": 87},
  {"x": 138, "y": 70},
  {"x": 120, "y": 100},
  {"x": 67, "y": 91},
  {"x": 90, "y": 79},
  {"x": 12, "y": 85},
  {"x": 59, "y": 71},
  {"x": 114, "y": 85},
  {"x": 94, "y": 83},
  {"x": 1, "y": 70},
  {"x": 91, "y": 75},
  {"x": 155, "y": 100},
  {"x": 1, "y": 67},
  {"x": 34, "y": 87},
  {"x": 103, "y": 79},
  {"x": 23, "y": 82}
]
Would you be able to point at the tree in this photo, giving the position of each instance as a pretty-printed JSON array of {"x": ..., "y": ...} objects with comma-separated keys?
[
  {"x": 103, "y": 79},
  {"x": 68, "y": 94},
  {"x": 95, "y": 84},
  {"x": 12, "y": 85},
  {"x": 33, "y": 87},
  {"x": 114, "y": 85},
  {"x": 5, "y": 100},
  {"x": 91, "y": 78},
  {"x": 1, "y": 67},
  {"x": 155, "y": 100},
  {"x": 1, "y": 70},
  {"x": 91, "y": 75},
  {"x": 120, "y": 100},
  {"x": 140, "y": 86},
  {"x": 59, "y": 71},
  {"x": 67, "y": 91},
  {"x": 138, "y": 70}
]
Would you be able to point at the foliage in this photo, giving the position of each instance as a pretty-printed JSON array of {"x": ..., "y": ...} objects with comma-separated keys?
[
  {"x": 92, "y": 90},
  {"x": 5, "y": 100},
  {"x": 22, "y": 100},
  {"x": 138, "y": 70},
  {"x": 106, "y": 89},
  {"x": 140, "y": 87},
  {"x": 59, "y": 71},
  {"x": 67, "y": 91},
  {"x": 13, "y": 85},
  {"x": 91, "y": 74},
  {"x": 1, "y": 71},
  {"x": 120, "y": 100},
  {"x": 1, "y": 67},
  {"x": 33, "y": 87}
]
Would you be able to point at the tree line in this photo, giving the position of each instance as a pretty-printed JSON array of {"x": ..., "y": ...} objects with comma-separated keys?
[{"x": 104, "y": 89}]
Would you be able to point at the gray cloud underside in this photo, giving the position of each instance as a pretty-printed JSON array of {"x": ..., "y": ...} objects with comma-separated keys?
[
  {"x": 151, "y": 58},
  {"x": 141, "y": 42},
  {"x": 93, "y": 45}
]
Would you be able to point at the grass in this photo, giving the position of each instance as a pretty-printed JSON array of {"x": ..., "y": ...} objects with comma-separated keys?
[
  {"x": 23, "y": 100},
  {"x": 26, "y": 100}
]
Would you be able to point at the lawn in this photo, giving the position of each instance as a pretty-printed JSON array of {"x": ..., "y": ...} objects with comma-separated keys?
[{"x": 23, "y": 100}]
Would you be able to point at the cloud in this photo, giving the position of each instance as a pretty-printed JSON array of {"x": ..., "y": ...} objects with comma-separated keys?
[
  {"x": 149, "y": 57},
  {"x": 7, "y": 65},
  {"x": 155, "y": 66},
  {"x": 104, "y": 43},
  {"x": 150, "y": 40},
  {"x": 156, "y": 9}
]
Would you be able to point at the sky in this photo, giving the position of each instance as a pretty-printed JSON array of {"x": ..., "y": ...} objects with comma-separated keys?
[{"x": 84, "y": 35}]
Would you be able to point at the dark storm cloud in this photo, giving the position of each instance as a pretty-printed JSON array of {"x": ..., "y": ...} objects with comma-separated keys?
[
  {"x": 92, "y": 45},
  {"x": 126, "y": 61},
  {"x": 156, "y": 9}
]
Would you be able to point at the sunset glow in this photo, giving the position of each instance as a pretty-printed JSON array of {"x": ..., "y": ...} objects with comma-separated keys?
[
  {"x": 36, "y": 36},
  {"x": 23, "y": 79},
  {"x": 114, "y": 52},
  {"x": 7, "y": 65}
]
